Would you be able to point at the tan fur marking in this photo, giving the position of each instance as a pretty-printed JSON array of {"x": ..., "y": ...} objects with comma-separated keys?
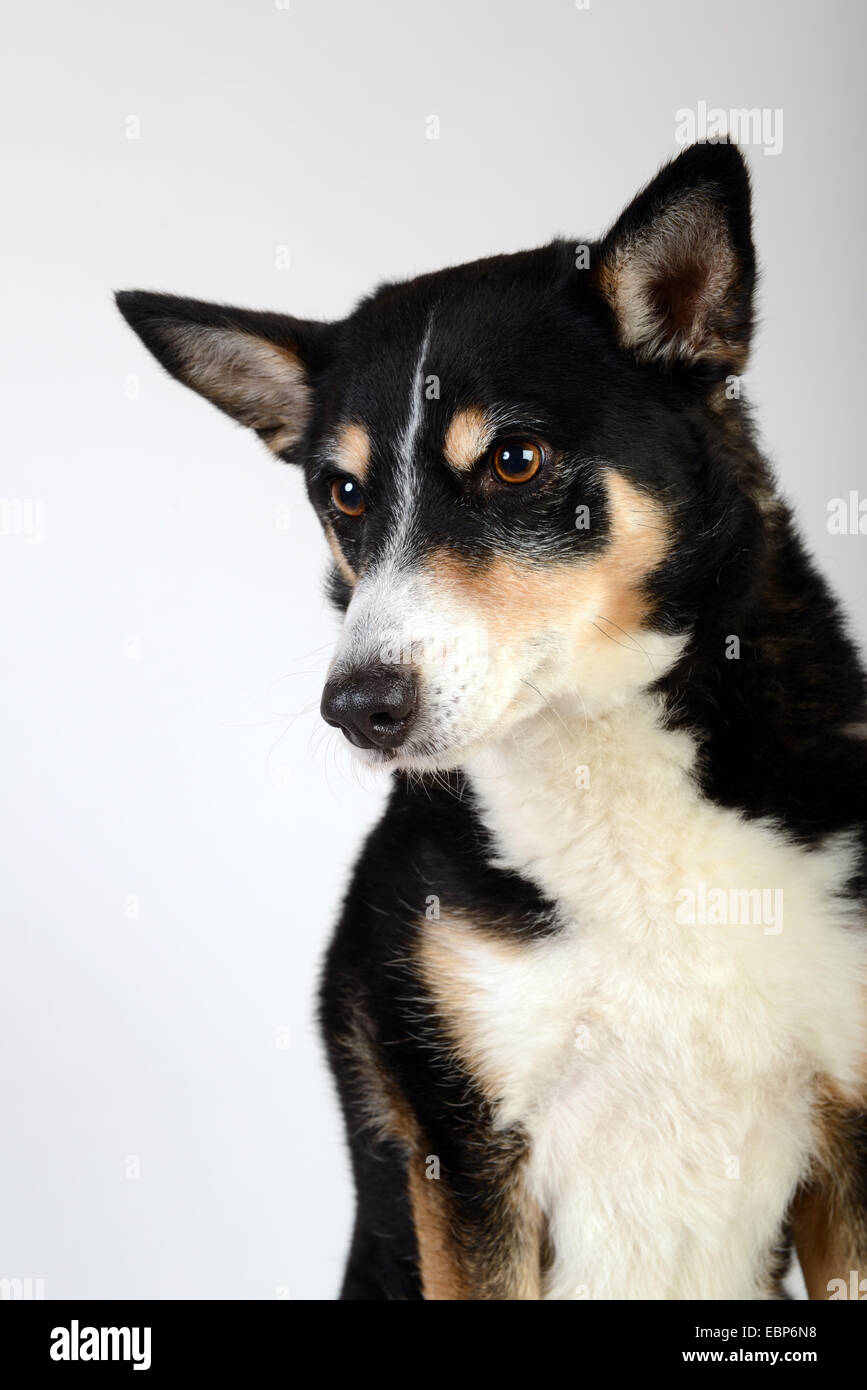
[
  {"x": 512, "y": 1269},
  {"x": 824, "y": 1251},
  {"x": 443, "y": 946},
  {"x": 467, "y": 438},
  {"x": 351, "y": 451},
  {"x": 457, "y": 1261},
  {"x": 383, "y": 1108},
  {"x": 387, "y": 1114},
  {"x": 464, "y": 1254},
  {"x": 340, "y": 559},
  {"x": 441, "y": 1275},
  {"x": 828, "y": 1220},
  {"x": 605, "y": 589}
]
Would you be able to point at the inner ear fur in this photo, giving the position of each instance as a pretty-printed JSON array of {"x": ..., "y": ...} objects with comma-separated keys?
[
  {"x": 257, "y": 367},
  {"x": 677, "y": 269}
]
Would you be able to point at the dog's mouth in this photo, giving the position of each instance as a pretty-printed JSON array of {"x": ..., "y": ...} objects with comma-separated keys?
[
  {"x": 392, "y": 760},
  {"x": 419, "y": 760},
  {"x": 393, "y": 722},
  {"x": 390, "y": 749}
]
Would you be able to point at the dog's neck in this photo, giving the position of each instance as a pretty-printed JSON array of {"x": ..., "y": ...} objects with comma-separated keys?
[{"x": 563, "y": 777}]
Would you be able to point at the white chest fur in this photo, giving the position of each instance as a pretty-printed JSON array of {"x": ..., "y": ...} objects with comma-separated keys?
[{"x": 661, "y": 1049}]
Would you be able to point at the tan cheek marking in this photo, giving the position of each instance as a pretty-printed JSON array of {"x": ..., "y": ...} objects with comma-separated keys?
[
  {"x": 467, "y": 437},
  {"x": 351, "y": 451},
  {"x": 340, "y": 559},
  {"x": 517, "y": 599}
]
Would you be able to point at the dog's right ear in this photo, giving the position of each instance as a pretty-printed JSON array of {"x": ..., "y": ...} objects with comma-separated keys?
[{"x": 257, "y": 367}]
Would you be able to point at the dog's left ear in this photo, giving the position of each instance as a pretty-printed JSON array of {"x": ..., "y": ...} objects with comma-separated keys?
[
  {"x": 260, "y": 368},
  {"x": 677, "y": 269}
]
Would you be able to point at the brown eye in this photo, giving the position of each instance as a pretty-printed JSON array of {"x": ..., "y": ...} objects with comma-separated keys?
[
  {"x": 517, "y": 460},
  {"x": 347, "y": 496}
]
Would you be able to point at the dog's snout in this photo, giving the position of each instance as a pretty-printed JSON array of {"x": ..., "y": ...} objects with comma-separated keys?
[{"x": 374, "y": 707}]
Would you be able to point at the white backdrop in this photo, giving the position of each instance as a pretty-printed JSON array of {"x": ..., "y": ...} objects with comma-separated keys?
[{"x": 176, "y": 823}]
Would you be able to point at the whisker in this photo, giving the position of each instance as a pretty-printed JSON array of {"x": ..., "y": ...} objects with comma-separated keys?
[
  {"x": 547, "y": 704},
  {"x": 636, "y": 645},
  {"x": 259, "y": 723}
]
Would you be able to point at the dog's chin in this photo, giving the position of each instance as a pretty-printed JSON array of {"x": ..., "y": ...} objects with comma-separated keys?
[
  {"x": 413, "y": 760},
  {"x": 419, "y": 756}
]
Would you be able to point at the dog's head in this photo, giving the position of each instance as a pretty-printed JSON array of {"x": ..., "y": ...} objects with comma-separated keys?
[{"x": 520, "y": 465}]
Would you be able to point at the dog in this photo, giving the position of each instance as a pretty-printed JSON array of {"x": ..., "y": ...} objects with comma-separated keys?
[{"x": 595, "y": 1006}]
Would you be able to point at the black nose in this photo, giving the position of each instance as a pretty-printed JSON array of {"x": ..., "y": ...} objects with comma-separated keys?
[{"x": 374, "y": 706}]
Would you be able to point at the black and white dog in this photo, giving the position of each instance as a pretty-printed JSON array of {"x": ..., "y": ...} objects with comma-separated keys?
[{"x": 596, "y": 1005}]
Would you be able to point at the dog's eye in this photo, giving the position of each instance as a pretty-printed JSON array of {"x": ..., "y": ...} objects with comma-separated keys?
[
  {"x": 517, "y": 460},
  {"x": 347, "y": 496}
]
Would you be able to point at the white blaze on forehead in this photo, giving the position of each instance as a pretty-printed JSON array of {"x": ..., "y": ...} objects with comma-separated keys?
[
  {"x": 389, "y": 594},
  {"x": 413, "y": 423},
  {"x": 408, "y": 466}
]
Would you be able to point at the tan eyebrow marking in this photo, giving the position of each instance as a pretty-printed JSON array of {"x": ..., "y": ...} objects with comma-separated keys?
[
  {"x": 350, "y": 450},
  {"x": 468, "y": 436}
]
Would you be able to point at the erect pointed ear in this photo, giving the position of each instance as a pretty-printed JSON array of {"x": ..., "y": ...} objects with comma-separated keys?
[
  {"x": 257, "y": 367},
  {"x": 677, "y": 269}
]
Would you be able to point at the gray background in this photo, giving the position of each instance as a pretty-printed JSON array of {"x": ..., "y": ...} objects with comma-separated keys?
[{"x": 176, "y": 823}]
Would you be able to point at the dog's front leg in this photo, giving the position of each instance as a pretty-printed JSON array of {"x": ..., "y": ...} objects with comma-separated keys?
[
  {"x": 829, "y": 1217},
  {"x": 479, "y": 1233}
]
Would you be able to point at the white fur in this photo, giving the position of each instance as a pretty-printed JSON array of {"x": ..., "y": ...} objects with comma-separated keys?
[{"x": 662, "y": 1071}]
